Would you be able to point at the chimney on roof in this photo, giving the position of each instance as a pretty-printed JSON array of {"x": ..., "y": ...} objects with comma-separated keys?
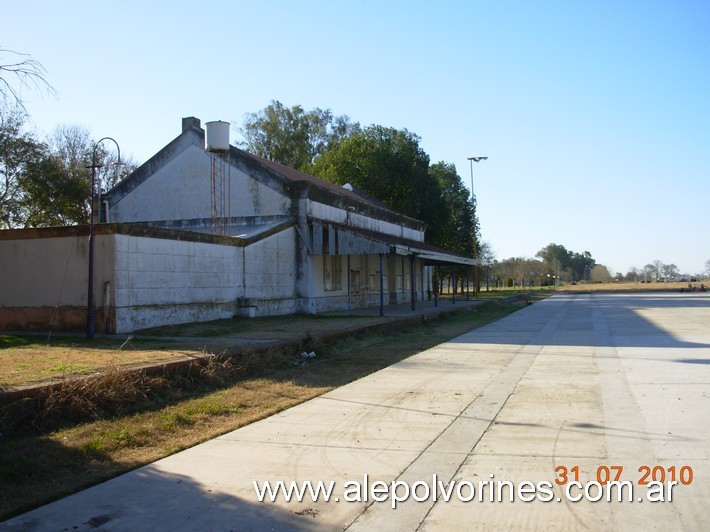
[{"x": 189, "y": 123}]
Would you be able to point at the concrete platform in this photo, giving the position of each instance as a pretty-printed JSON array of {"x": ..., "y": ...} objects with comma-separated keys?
[{"x": 584, "y": 382}]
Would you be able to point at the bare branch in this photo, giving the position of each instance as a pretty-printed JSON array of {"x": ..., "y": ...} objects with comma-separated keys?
[{"x": 27, "y": 72}]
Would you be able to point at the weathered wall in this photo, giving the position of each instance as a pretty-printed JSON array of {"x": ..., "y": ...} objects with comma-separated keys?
[
  {"x": 181, "y": 190},
  {"x": 341, "y": 216},
  {"x": 161, "y": 281},
  {"x": 44, "y": 280},
  {"x": 268, "y": 273}
]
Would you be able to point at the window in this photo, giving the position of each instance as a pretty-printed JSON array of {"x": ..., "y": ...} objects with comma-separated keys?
[
  {"x": 354, "y": 281},
  {"x": 332, "y": 273}
]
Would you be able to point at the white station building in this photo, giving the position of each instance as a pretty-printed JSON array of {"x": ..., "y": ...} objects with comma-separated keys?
[{"x": 205, "y": 231}]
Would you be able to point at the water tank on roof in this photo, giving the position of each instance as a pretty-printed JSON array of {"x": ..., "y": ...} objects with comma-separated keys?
[{"x": 217, "y": 137}]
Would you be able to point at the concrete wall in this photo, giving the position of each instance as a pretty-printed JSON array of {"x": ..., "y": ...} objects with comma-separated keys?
[
  {"x": 341, "y": 216},
  {"x": 141, "y": 281},
  {"x": 268, "y": 275},
  {"x": 44, "y": 281},
  {"x": 181, "y": 190},
  {"x": 160, "y": 281}
]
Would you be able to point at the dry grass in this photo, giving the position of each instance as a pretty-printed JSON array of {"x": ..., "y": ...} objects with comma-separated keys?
[
  {"x": 26, "y": 360},
  {"x": 627, "y": 287},
  {"x": 37, "y": 469}
]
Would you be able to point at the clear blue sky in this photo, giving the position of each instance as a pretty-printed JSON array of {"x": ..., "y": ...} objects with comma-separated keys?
[{"x": 595, "y": 116}]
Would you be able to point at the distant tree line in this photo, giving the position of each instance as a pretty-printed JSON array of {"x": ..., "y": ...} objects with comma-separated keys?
[
  {"x": 657, "y": 271},
  {"x": 552, "y": 265}
]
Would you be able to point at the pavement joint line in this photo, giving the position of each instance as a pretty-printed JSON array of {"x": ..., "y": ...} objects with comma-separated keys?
[
  {"x": 599, "y": 381},
  {"x": 493, "y": 398}
]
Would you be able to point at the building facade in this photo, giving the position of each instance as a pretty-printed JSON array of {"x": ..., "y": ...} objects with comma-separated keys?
[{"x": 194, "y": 235}]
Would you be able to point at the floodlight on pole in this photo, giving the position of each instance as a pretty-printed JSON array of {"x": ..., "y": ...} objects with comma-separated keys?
[
  {"x": 475, "y": 239},
  {"x": 90, "y": 297}
]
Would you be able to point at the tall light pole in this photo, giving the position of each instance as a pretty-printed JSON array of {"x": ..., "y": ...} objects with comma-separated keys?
[
  {"x": 475, "y": 238},
  {"x": 90, "y": 298}
]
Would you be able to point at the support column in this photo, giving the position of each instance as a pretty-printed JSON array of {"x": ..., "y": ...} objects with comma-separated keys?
[
  {"x": 411, "y": 282},
  {"x": 436, "y": 285},
  {"x": 382, "y": 288}
]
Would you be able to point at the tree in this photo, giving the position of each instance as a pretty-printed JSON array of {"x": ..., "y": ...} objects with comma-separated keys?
[
  {"x": 633, "y": 274},
  {"x": 20, "y": 69},
  {"x": 558, "y": 260},
  {"x": 48, "y": 183},
  {"x": 519, "y": 271},
  {"x": 456, "y": 231},
  {"x": 292, "y": 136},
  {"x": 600, "y": 274},
  {"x": 707, "y": 268},
  {"x": 390, "y": 165},
  {"x": 581, "y": 265},
  {"x": 73, "y": 148},
  {"x": 652, "y": 271},
  {"x": 555, "y": 257},
  {"x": 19, "y": 151},
  {"x": 487, "y": 259},
  {"x": 670, "y": 272}
]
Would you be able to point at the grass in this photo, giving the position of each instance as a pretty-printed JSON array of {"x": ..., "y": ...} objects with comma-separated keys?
[
  {"x": 38, "y": 468},
  {"x": 628, "y": 287},
  {"x": 26, "y": 360},
  {"x": 271, "y": 328}
]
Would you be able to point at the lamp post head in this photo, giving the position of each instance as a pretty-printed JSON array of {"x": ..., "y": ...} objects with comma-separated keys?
[{"x": 477, "y": 159}]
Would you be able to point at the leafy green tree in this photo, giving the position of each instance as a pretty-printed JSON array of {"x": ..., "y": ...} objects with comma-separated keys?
[
  {"x": 652, "y": 271},
  {"x": 390, "y": 165},
  {"x": 670, "y": 272},
  {"x": 18, "y": 152},
  {"x": 48, "y": 183},
  {"x": 294, "y": 137},
  {"x": 73, "y": 148},
  {"x": 559, "y": 260},
  {"x": 456, "y": 230},
  {"x": 556, "y": 258},
  {"x": 487, "y": 259},
  {"x": 49, "y": 197},
  {"x": 581, "y": 265},
  {"x": 519, "y": 272}
]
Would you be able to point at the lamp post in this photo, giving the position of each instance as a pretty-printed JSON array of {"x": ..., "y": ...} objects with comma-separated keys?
[
  {"x": 475, "y": 238},
  {"x": 90, "y": 298}
]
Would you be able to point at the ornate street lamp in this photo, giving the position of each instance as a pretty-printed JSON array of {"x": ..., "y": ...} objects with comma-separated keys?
[{"x": 90, "y": 298}]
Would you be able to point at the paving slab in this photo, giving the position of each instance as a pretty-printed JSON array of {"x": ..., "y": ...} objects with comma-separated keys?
[{"x": 589, "y": 383}]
